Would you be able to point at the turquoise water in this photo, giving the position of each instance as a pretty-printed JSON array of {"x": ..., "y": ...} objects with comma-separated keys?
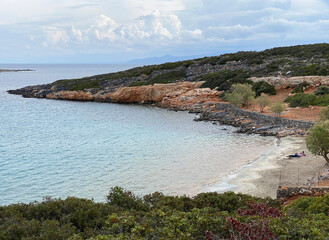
[{"x": 62, "y": 148}]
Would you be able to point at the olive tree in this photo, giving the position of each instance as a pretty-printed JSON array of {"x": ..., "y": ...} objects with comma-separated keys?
[
  {"x": 263, "y": 100},
  {"x": 241, "y": 94},
  {"x": 278, "y": 108},
  {"x": 324, "y": 115},
  {"x": 317, "y": 139}
]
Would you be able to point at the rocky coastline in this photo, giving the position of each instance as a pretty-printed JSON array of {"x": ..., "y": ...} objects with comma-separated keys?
[{"x": 181, "y": 96}]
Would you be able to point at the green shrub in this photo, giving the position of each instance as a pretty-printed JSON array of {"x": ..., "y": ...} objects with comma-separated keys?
[
  {"x": 277, "y": 108},
  {"x": 322, "y": 90},
  {"x": 263, "y": 101},
  {"x": 169, "y": 77},
  {"x": 125, "y": 199},
  {"x": 300, "y": 87},
  {"x": 263, "y": 87},
  {"x": 324, "y": 114},
  {"x": 138, "y": 83},
  {"x": 311, "y": 70},
  {"x": 223, "y": 80},
  {"x": 85, "y": 85},
  {"x": 205, "y": 216},
  {"x": 301, "y": 100},
  {"x": 241, "y": 94},
  {"x": 322, "y": 100}
]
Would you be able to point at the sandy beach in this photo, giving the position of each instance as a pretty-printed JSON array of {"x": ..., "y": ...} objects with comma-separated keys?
[{"x": 262, "y": 176}]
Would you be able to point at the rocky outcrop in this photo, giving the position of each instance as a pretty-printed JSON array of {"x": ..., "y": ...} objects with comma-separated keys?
[
  {"x": 166, "y": 95},
  {"x": 71, "y": 95},
  {"x": 281, "y": 82},
  {"x": 150, "y": 93},
  {"x": 177, "y": 96},
  {"x": 193, "y": 100}
]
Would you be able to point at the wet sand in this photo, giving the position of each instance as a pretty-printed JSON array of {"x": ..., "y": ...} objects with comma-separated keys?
[{"x": 273, "y": 168}]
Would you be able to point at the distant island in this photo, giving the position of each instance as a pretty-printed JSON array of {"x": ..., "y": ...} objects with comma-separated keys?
[{"x": 16, "y": 70}]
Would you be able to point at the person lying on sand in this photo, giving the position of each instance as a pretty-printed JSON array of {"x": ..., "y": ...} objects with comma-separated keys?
[
  {"x": 297, "y": 155},
  {"x": 294, "y": 155}
]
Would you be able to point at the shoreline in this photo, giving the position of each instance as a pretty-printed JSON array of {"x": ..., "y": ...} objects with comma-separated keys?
[
  {"x": 273, "y": 168},
  {"x": 260, "y": 176}
]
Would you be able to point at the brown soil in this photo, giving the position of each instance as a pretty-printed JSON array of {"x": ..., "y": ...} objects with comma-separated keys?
[{"x": 310, "y": 113}]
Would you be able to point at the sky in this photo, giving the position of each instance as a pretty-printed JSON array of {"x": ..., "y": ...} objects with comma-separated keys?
[{"x": 109, "y": 31}]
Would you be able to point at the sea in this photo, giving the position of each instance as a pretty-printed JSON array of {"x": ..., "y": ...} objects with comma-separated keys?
[{"x": 83, "y": 149}]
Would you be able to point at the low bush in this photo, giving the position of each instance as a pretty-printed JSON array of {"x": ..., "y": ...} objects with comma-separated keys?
[
  {"x": 305, "y": 100},
  {"x": 311, "y": 70},
  {"x": 300, "y": 87},
  {"x": 322, "y": 100},
  {"x": 223, "y": 80},
  {"x": 301, "y": 100},
  {"x": 322, "y": 90},
  {"x": 138, "y": 83},
  {"x": 169, "y": 77},
  {"x": 263, "y": 87},
  {"x": 156, "y": 216},
  {"x": 324, "y": 114}
]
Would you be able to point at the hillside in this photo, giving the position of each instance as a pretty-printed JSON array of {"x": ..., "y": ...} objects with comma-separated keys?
[{"x": 303, "y": 60}]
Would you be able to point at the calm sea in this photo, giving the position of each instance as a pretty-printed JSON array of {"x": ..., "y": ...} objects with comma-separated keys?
[{"x": 62, "y": 148}]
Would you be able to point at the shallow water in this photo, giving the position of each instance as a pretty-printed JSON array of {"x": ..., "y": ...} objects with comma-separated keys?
[{"x": 63, "y": 148}]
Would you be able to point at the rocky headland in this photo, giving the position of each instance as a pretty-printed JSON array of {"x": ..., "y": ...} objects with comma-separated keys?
[{"x": 184, "y": 85}]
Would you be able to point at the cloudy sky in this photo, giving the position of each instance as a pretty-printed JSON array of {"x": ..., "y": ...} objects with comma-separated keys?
[{"x": 109, "y": 31}]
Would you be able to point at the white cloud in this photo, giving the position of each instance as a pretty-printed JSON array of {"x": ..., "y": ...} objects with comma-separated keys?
[
  {"x": 56, "y": 36},
  {"x": 77, "y": 33},
  {"x": 155, "y": 27}
]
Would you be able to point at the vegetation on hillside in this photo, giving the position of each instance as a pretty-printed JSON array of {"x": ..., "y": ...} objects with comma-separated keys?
[
  {"x": 293, "y": 61},
  {"x": 305, "y": 100},
  {"x": 155, "y": 216},
  {"x": 223, "y": 80},
  {"x": 324, "y": 114}
]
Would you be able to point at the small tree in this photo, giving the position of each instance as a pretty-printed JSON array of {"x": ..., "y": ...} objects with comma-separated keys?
[
  {"x": 317, "y": 140},
  {"x": 263, "y": 100},
  {"x": 235, "y": 99},
  {"x": 241, "y": 94},
  {"x": 324, "y": 115},
  {"x": 278, "y": 108}
]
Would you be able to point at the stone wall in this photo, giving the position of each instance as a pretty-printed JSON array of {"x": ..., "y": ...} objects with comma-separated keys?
[
  {"x": 253, "y": 122},
  {"x": 284, "y": 193},
  {"x": 262, "y": 118}
]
